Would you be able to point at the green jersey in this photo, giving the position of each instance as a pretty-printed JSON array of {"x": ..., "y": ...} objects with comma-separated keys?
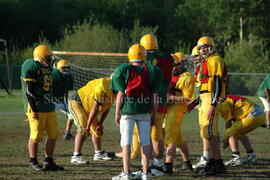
[
  {"x": 42, "y": 78},
  {"x": 166, "y": 71},
  {"x": 61, "y": 84},
  {"x": 264, "y": 85},
  {"x": 133, "y": 105}
]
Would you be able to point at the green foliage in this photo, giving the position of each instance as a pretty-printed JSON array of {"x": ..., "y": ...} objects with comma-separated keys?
[
  {"x": 247, "y": 56},
  {"x": 138, "y": 31},
  {"x": 90, "y": 38}
]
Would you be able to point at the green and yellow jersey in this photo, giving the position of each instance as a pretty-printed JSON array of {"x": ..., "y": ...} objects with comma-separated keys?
[
  {"x": 61, "y": 84},
  {"x": 42, "y": 78},
  {"x": 97, "y": 90},
  {"x": 134, "y": 105}
]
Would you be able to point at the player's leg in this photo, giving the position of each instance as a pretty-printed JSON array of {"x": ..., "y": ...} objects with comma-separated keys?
[
  {"x": 158, "y": 145},
  {"x": 251, "y": 156},
  {"x": 36, "y": 132},
  {"x": 143, "y": 125},
  {"x": 136, "y": 146},
  {"x": 80, "y": 119},
  {"x": 236, "y": 158},
  {"x": 126, "y": 129},
  {"x": 209, "y": 131},
  {"x": 53, "y": 133}
]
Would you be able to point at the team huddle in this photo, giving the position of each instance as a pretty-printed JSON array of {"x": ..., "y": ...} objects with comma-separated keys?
[{"x": 152, "y": 94}]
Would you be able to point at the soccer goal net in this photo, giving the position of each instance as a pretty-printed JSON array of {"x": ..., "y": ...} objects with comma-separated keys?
[{"x": 86, "y": 66}]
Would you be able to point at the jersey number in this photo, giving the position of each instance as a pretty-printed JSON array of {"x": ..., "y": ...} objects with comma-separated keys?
[{"x": 47, "y": 82}]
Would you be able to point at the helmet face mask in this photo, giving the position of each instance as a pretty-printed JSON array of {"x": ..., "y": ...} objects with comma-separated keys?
[
  {"x": 65, "y": 70},
  {"x": 205, "y": 51},
  {"x": 63, "y": 67},
  {"x": 44, "y": 55}
]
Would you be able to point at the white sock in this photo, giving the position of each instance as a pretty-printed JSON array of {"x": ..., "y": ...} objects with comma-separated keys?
[
  {"x": 207, "y": 154},
  {"x": 158, "y": 162},
  {"x": 76, "y": 153}
]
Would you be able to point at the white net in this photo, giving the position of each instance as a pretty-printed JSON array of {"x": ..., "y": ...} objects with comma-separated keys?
[{"x": 88, "y": 66}]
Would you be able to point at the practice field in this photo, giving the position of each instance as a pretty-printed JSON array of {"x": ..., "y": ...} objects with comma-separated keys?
[{"x": 14, "y": 134}]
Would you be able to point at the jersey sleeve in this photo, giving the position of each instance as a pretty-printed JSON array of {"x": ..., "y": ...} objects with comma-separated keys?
[
  {"x": 119, "y": 79},
  {"x": 28, "y": 71},
  {"x": 226, "y": 112},
  {"x": 55, "y": 77},
  {"x": 216, "y": 66},
  {"x": 186, "y": 84}
]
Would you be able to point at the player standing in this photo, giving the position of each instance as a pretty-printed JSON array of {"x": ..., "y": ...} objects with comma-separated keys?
[
  {"x": 165, "y": 63},
  {"x": 137, "y": 86},
  {"x": 212, "y": 79},
  {"x": 62, "y": 82},
  {"x": 180, "y": 93},
  {"x": 36, "y": 75}
]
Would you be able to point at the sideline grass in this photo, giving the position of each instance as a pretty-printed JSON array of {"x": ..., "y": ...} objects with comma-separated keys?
[{"x": 14, "y": 155}]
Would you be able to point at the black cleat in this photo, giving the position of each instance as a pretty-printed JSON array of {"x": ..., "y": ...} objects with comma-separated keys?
[
  {"x": 187, "y": 166},
  {"x": 35, "y": 166},
  {"x": 68, "y": 136},
  {"x": 49, "y": 165},
  {"x": 168, "y": 168}
]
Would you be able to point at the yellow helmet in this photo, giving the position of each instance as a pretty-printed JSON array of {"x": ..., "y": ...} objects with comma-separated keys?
[
  {"x": 205, "y": 41},
  {"x": 44, "y": 55},
  {"x": 149, "y": 42},
  {"x": 175, "y": 58},
  {"x": 195, "y": 51},
  {"x": 136, "y": 53},
  {"x": 180, "y": 55},
  {"x": 63, "y": 66}
]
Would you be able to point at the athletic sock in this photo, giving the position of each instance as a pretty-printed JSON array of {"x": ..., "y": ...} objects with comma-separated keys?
[
  {"x": 206, "y": 154},
  {"x": 98, "y": 152},
  {"x": 250, "y": 151},
  {"x": 33, "y": 160},
  {"x": 77, "y": 154}
]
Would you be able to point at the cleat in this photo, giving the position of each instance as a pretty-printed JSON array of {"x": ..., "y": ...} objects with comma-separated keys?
[
  {"x": 68, "y": 136},
  {"x": 35, "y": 166},
  {"x": 122, "y": 176},
  {"x": 187, "y": 166},
  {"x": 104, "y": 156},
  {"x": 235, "y": 161},
  {"x": 168, "y": 168},
  {"x": 51, "y": 166},
  {"x": 137, "y": 174},
  {"x": 78, "y": 160},
  {"x": 201, "y": 164},
  {"x": 251, "y": 158},
  {"x": 156, "y": 171}
]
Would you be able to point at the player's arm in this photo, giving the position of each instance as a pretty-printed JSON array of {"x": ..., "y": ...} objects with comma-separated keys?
[
  {"x": 31, "y": 98},
  {"x": 118, "y": 106},
  {"x": 217, "y": 90},
  {"x": 92, "y": 116}
]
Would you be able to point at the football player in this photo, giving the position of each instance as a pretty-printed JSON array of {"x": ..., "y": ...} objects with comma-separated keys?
[
  {"x": 89, "y": 107},
  {"x": 62, "y": 82},
  {"x": 212, "y": 78},
  {"x": 180, "y": 93},
  {"x": 242, "y": 116},
  {"x": 137, "y": 85},
  {"x": 36, "y": 74}
]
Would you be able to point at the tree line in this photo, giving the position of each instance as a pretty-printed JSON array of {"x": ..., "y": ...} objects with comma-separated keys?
[{"x": 240, "y": 28}]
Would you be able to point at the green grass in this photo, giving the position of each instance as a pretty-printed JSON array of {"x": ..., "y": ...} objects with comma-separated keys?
[{"x": 14, "y": 135}]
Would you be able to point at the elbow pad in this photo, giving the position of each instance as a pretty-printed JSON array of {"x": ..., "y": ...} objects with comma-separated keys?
[{"x": 217, "y": 90}]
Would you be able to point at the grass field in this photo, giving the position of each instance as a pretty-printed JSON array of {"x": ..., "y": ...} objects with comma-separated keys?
[{"x": 14, "y": 134}]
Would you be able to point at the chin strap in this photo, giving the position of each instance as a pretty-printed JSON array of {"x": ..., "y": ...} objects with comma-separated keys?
[{"x": 217, "y": 90}]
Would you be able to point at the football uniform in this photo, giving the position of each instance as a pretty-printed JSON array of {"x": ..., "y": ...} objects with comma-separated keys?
[
  {"x": 82, "y": 101},
  {"x": 184, "y": 86},
  {"x": 246, "y": 115},
  {"x": 61, "y": 85},
  {"x": 212, "y": 66},
  {"x": 165, "y": 63},
  {"x": 137, "y": 103},
  {"x": 41, "y": 77}
]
